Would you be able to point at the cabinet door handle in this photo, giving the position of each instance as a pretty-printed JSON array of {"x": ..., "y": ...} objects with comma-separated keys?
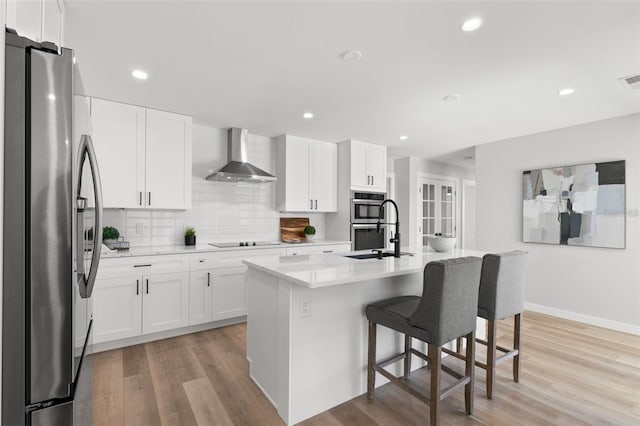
[
  {"x": 310, "y": 204},
  {"x": 149, "y": 198},
  {"x": 142, "y": 266},
  {"x": 372, "y": 184},
  {"x": 327, "y": 251},
  {"x": 147, "y": 286},
  {"x": 137, "y": 287},
  {"x": 208, "y": 279},
  {"x": 140, "y": 198},
  {"x": 368, "y": 180}
]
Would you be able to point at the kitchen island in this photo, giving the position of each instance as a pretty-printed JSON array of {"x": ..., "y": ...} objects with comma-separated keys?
[{"x": 307, "y": 330}]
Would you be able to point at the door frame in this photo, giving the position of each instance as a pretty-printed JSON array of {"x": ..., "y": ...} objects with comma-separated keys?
[{"x": 421, "y": 176}]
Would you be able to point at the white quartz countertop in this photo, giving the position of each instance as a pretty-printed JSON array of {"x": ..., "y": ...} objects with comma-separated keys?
[
  {"x": 324, "y": 270},
  {"x": 202, "y": 248}
]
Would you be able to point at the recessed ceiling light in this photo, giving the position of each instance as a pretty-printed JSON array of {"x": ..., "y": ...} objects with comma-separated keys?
[
  {"x": 566, "y": 91},
  {"x": 308, "y": 115},
  {"x": 404, "y": 137},
  {"x": 452, "y": 98},
  {"x": 139, "y": 74},
  {"x": 351, "y": 55},
  {"x": 472, "y": 24}
]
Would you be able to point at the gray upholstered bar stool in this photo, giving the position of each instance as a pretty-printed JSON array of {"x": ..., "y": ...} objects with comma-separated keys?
[
  {"x": 446, "y": 311},
  {"x": 501, "y": 296}
]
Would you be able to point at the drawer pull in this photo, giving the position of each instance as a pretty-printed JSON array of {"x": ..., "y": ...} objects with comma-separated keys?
[
  {"x": 327, "y": 251},
  {"x": 201, "y": 260},
  {"x": 142, "y": 266}
]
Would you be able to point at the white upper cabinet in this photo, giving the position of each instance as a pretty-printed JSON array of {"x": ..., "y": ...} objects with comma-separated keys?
[
  {"x": 307, "y": 175},
  {"x": 119, "y": 141},
  {"x": 168, "y": 160},
  {"x": 377, "y": 164},
  {"x": 144, "y": 156},
  {"x": 39, "y": 20},
  {"x": 359, "y": 173},
  {"x": 324, "y": 176},
  {"x": 294, "y": 178},
  {"x": 367, "y": 165}
]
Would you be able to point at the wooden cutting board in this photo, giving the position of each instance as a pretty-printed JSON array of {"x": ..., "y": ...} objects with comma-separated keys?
[{"x": 292, "y": 228}]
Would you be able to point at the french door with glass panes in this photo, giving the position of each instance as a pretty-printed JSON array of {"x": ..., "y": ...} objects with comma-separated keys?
[{"x": 437, "y": 208}]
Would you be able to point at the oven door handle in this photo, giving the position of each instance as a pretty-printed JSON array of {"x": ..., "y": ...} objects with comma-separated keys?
[
  {"x": 371, "y": 202},
  {"x": 364, "y": 225}
]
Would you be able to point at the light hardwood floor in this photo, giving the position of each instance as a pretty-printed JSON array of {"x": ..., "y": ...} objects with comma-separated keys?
[{"x": 572, "y": 374}]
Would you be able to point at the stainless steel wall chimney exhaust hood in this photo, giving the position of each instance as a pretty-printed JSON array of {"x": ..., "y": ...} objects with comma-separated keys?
[{"x": 238, "y": 169}]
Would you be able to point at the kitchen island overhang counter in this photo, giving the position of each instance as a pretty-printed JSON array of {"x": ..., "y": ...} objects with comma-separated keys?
[{"x": 307, "y": 330}]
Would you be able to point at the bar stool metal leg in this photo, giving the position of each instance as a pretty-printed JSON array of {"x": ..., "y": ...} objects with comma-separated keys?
[
  {"x": 407, "y": 354},
  {"x": 491, "y": 356},
  {"x": 516, "y": 346},
  {"x": 435, "y": 353},
  {"x": 371, "y": 373}
]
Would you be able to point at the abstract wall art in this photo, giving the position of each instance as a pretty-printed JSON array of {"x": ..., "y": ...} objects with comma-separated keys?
[{"x": 581, "y": 205}]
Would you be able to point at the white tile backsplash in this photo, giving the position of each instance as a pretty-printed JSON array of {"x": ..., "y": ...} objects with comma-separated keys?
[{"x": 220, "y": 211}]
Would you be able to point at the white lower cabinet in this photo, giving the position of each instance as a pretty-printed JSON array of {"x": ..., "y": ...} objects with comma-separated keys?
[
  {"x": 165, "y": 302},
  {"x": 139, "y": 295},
  {"x": 230, "y": 292},
  {"x": 200, "y": 298},
  {"x": 217, "y": 294},
  {"x": 117, "y": 308}
]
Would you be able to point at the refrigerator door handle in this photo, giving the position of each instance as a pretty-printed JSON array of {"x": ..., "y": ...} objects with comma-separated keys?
[{"x": 87, "y": 283}]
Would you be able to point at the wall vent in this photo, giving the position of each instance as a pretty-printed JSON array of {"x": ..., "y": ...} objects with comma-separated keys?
[{"x": 631, "y": 81}]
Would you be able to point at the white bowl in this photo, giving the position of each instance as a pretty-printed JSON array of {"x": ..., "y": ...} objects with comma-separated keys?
[{"x": 441, "y": 244}]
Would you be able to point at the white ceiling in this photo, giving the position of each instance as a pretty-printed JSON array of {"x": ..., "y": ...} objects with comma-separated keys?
[{"x": 260, "y": 65}]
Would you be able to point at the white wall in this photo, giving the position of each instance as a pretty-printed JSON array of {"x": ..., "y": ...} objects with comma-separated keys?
[
  {"x": 600, "y": 286},
  {"x": 221, "y": 211}
]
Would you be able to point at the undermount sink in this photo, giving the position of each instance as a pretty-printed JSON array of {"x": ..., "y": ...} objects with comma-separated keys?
[{"x": 376, "y": 255}]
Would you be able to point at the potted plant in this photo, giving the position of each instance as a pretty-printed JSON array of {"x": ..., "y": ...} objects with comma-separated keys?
[
  {"x": 309, "y": 232},
  {"x": 110, "y": 235},
  {"x": 190, "y": 237}
]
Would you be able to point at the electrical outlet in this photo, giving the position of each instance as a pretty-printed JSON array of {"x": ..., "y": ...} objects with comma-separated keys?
[
  {"x": 139, "y": 228},
  {"x": 305, "y": 307}
]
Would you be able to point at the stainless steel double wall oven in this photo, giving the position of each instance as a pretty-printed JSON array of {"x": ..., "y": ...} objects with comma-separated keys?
[{"x": 365, "y": 208}]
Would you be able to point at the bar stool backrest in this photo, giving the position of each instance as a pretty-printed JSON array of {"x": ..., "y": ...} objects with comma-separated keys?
[
  {"x": 502, "y": 285},
  {"x": 449, "y": 301}
]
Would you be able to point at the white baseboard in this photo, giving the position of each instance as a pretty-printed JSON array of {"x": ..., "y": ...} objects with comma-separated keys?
[
  {"x": 587, "y": 319},
  {"x": 137, "y": 340},
  {"x": 264, "y": 392}
]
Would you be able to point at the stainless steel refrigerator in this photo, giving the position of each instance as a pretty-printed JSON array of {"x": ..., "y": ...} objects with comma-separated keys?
[{"x": 52, "y": 240}]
